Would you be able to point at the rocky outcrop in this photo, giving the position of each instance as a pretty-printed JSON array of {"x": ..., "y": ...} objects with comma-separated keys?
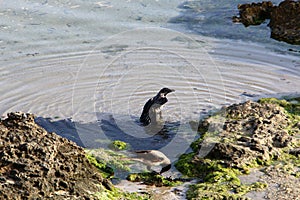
[
  {"x": 284, "y": 18},
  {"x": 240, "y": 137},
  {"x": 254, "y": 13},
  {"x": 285, "y": 22},
  {"x": 252, "y": 132},
  {"x": 36, "y": 164}
]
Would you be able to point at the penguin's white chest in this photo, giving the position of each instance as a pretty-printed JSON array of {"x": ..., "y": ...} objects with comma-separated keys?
[{"x": 155, "y": 113}]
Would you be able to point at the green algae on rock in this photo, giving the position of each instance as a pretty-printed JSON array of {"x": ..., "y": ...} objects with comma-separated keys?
[
  {"x": 105, "y": 170},
  {"x": 150, "y": 178},
  {"x": 292, "y": 106},
  {"x": 253, "y": 134},
  {"x": 221, "y": 191},
  {"x": 108, "y": 160},
  {"x": 119, "y": 145},
  {"x": 117, "y": 194}
]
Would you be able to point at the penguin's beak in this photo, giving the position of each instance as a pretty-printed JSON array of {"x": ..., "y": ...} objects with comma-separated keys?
[{"x": 171, "y": 90}]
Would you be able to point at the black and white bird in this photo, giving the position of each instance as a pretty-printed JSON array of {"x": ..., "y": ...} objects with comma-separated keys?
[
  {"x": 152, "y": 158},
  {"x": 152, "y": 109}
]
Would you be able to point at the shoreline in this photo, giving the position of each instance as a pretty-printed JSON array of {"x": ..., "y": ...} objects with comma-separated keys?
[{"x": 271, "y": 172}]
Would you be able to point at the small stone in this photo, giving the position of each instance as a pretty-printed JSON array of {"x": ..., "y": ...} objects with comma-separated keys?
[
  {"x": 295, "y": 152},
  {"x": 63, "y": 184},
  {"x": 297, "y": 125},
  {"x": 2, "y": 179}
]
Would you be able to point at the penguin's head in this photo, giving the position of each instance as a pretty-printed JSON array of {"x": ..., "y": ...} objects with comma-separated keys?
[{"x": 165, "y": 91}]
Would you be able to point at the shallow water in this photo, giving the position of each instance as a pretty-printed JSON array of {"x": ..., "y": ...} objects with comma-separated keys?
[{"x": 86, "y": 68}]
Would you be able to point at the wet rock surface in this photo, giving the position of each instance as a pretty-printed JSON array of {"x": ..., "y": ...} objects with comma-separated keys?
[
  {"x": 284, "y": 18},
  {"x": 36, "y": 164},
  {"x": 254, "y": 13},
  {"x": 285, "y": 22}
]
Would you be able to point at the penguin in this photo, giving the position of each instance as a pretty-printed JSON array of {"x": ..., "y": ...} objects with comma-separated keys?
[
  {"x": 152, "y": 158},
  {"x": 152, "y": 109}
]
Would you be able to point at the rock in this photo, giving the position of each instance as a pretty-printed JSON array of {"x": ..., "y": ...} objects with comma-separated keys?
[
  {"x": 254, "y": 134},
  {"x": 285, "y": 22},
  {"x": 281, "y": 139},
  {"x": 35, "y": 164},
  {"x": 284, "y": 18},
  {"x": 254, "y": 14},
  {"x": 153, "y": 178},
  {"x": 252, "y": 130}
]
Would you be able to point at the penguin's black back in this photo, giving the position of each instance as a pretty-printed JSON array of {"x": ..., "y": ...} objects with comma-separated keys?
[{"x": 145, "y": 119}]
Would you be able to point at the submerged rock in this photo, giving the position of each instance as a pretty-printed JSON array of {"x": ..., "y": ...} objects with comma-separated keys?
[
  {"x": 36, "y": 164},
  {"x": 284, "y": 18}
]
